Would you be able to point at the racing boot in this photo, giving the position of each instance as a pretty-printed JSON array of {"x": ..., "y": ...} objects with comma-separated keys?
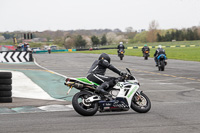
[
  {"x": 165, "y": 63},
  {"x": 156, "y": 64},
  {"x": 100, "y": 89}
]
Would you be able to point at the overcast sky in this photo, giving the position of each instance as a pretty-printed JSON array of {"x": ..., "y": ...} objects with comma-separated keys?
[{"x": 40, "y": 15}]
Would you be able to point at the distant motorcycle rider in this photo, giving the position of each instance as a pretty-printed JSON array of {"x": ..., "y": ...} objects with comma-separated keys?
[
  {"x": 120, "y": 47},
  {"x": 145, "y": 48},
  {"x": 158, "y": 52},
  {"x": 49, "y": 49},
  {"x": 97, "y": 72}
]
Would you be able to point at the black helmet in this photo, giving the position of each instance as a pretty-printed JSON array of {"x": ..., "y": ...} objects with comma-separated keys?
[{"x": 105, "y": 57}]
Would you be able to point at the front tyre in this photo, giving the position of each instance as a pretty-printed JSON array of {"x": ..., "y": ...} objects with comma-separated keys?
[
  {"x": 82, "y": 107},
  {"x": 121, "y": 56},
  {"x": 140, "y": 103}
]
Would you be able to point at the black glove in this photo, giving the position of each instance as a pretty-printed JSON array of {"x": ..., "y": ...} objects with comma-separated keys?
[{"x": 123, "y": 74}]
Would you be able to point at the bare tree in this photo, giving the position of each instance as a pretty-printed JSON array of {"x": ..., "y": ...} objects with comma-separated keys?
[
  {"x": 198, "y": 29},
  {"x": 130, "y": 32},
  {"x": 69, "y": 42},
  {"x": 88, "y": 41},
  {"x": 111, "y": 36},
  {"x": 153, "y": 29},
  {"x": 129, "y": 29},
  {"x": 120, "y": 38}
]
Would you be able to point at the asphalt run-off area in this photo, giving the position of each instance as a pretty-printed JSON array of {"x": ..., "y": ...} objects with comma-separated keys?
[{"x": 40, "y": 103}]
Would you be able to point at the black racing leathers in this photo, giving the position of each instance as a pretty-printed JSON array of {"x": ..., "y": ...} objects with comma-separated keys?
[
  {"x": 158, "y": 52},
  {"x": 145, "y": 48},
  {"x": 120, "y": 47},
  {"x": 97, "y": 72}
]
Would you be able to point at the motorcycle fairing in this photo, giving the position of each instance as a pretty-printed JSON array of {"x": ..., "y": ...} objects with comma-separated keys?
[
  {"x": 127, "y": 89},
  {"x": 118, "y": 104},
  {"x": 160, "y": 56},
  {"x": 121, "y": 52},
  {"x": 83, "y": 80}
]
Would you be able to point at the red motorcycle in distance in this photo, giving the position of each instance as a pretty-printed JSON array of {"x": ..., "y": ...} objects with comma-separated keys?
[
  {"x": 121, "y": 54},
  {"x": 146, "y": 54}
]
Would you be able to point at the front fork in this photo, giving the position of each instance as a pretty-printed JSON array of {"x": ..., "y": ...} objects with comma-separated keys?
[{"x": 138, "y": 96}]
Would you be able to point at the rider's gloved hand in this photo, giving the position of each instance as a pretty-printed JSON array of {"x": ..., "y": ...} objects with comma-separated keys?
[{"x": 123, "y": 74}]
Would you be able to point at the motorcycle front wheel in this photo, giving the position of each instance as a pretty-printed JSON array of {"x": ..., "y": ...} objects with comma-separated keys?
[
  {"x": 81, "y": 106},
  {"x": 140, "y": 103},
  {"x": 121, "y": 57}
]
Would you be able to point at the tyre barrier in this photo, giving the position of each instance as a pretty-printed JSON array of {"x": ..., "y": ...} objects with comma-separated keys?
[{"x": 5, "y": 87}]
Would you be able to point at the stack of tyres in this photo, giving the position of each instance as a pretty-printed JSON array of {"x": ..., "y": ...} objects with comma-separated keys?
[{"x": 5, "y": 87}]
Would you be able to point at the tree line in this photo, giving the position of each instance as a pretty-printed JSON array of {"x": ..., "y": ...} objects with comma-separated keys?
[
  {"x": 81, "y": 42},
  {"x": 179, "y": 35},
  {"x": 154, "y": 34},
  {"x": 97, "y": 37}
]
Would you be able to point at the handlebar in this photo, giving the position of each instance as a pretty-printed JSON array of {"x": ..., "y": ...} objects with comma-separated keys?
[{"x": 126, "y": 77}]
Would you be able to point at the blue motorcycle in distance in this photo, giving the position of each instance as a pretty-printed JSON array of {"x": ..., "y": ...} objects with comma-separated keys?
[{"x": 161, "y": 62}]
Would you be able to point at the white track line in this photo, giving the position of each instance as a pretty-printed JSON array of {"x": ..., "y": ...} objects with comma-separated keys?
[{"x": 48, "y": 69}]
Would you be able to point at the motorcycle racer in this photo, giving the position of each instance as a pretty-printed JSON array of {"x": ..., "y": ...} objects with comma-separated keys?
[
  {"x": 158, "y": 52},
  {"x": 120, "y": 47},
  {"x": 97, "y": 72},
  {"x": 145, "y": 48}
]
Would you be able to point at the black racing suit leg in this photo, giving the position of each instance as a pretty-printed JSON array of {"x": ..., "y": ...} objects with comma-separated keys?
[
  {"x": 105, "y": 82},
  {"x": 156, "y": 60}
]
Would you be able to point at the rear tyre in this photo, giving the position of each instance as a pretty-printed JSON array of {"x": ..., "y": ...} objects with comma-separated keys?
[
  {"x": 140, "y": 103},
  {"x": 158, "y": 66},
  {"x": 81, "y": 107},
  {"x": 162, "y": 67}
]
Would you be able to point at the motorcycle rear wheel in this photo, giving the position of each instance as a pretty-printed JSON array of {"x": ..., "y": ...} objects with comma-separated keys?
[
  {"x": 81, "y": 107},
  {"x": 141, "y": 103},
  {"x": 162, "y": 67}
]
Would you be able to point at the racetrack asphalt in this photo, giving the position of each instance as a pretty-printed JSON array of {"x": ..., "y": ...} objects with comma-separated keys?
[{"x": 174, "y": 95}]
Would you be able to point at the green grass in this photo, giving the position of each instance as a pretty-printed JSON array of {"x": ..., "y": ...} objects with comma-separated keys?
[
  {"x": 187, "y": 53},
  {"x": 196, "y": 42}
]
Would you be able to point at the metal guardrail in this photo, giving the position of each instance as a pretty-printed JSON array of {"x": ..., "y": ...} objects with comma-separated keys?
[
  {"x": 134, "y": 47},
  {"x": 173, "y": 46},
  {"x": 70, "y": 50}
]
